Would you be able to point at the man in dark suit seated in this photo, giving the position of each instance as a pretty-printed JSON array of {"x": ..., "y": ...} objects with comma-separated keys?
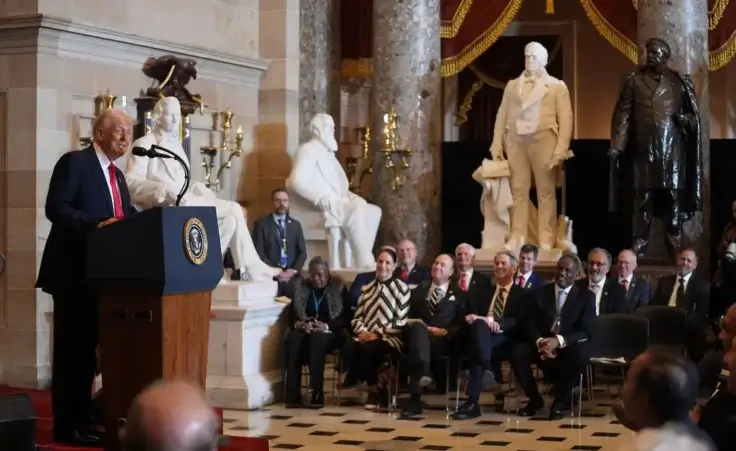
[
  {"x": 609, "y": 295},
  {"x": 469, "y": 281},
  {"x": 638, "y": 289},
  {"x": 408, "y": 270},
  {"x": 279, "y": 241},
  {"x": 362, "y": 280},
  {"x": 690, "y": 292},
  {"x": 434, "y": 314},
  {"x": 559, "y": 327},
  {"x": 525, "y": 277},
  {"x": 492, "y": 330},
  {"x": 86, "y": 191}
]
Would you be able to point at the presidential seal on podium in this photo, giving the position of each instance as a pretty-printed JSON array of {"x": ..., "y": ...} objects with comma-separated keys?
[{"x": 195, "y": 241}]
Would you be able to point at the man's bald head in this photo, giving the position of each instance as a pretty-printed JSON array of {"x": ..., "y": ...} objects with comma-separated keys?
[
  {"x": 170, "y": 416},
  {"x": 113, "y": 131},
  {"x": 626, "y": 263}
]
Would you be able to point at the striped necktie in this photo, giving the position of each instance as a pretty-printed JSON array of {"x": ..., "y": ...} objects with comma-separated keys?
[
  {"x": 500, "y": 303},
  {"x": 434, "y": 299}
]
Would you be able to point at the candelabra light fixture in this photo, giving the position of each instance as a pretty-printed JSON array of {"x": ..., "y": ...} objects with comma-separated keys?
[
  {"x": 392, "y": 151},
  {"x": 104, "y": 101},
  {"x": 222, "y": 126},
  {"x": 352, "y": 164}
]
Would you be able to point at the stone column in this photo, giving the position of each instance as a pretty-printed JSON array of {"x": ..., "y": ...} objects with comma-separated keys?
[
  {"x": 406, "y": 76},
  {"x": 319, "y": 63},
  {"x": 684, "y": 26}
]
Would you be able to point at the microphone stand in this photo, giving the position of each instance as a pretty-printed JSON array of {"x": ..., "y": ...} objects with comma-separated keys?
[{"x": 187, "y": 173}]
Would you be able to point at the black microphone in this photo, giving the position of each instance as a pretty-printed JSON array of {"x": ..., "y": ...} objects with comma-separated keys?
[
  {"x": 187, "y": 173},
  {"x": 150, "y": 153}
]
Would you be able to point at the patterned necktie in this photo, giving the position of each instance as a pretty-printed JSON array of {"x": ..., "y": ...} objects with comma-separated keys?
[
  {"x": 560, "y": 304},
  {"x": 464, "y": 282},
  {"x": 520, "y": 281},
  {"x": 117, "y": 201},
  {"x": 283, "y": 258},
  {"x": 434, "y": 299},
  {"x": 500, "y": 303},
  {"x": 625, "y": 284},
  {"x": 404, "y": 274}
]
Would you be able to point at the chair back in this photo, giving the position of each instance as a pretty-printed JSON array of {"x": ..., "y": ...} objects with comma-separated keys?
[
  {"x": 666, "y": 325},
  {"x": 620, "y": 335}
]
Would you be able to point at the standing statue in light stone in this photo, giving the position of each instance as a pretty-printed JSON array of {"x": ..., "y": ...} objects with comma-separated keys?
[
  {"x": 319, "y": 185},
  {"x": 157, "y": 181},
  {"x": 533, "y": 127}
]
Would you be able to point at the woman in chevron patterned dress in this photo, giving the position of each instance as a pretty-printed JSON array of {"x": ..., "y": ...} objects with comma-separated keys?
[{"x": 383, "y": 307}]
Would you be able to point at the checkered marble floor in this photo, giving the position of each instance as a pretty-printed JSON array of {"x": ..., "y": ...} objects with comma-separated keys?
[{"x": 354, "y": 428}]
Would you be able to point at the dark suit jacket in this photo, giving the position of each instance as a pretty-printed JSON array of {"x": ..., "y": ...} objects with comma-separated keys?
[
  {"x": 267, "y": 241},
  {"x": 449, "y": 311},
  {"x": 534, "y": 281},
  {"x": 77, "y": 201},
  {"x": 638, "y": 294},
  {"x": 577, "y": 319},
  {"x": 697, "y": 296},
  {"x": 613, "y": 298},
  {"x": 513, "y": 311},
  {"x": 359, "y": 282},
  {"x": 417, "y": 275},
  {"x": 479, "y": 288}
]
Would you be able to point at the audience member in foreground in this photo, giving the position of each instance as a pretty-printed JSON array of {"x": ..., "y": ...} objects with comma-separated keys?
[
  {"x": 660, "y": 389},
  {"x": 170, "y": 416}
]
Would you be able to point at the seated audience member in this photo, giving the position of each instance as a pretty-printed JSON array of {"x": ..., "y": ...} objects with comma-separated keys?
[
  {"x": 660, "y": 389},
  {"x": 609, "y": 295},
  {"x": 559, "y": 327},
  {"x": 279, "y": 242},
  {"x": 319, "y": 319},
  {"x": 690, "y": 292},
  {"x": 433, "y": 315},
  {"x": 378, "y": 323},
  {"x": 717, "y": 417},
  {"x": 172, "y": 415},
  {"x": 408, "y": 270},
  {"x": 361, "y": 280},
  {"x": 469, "y": 281},
  {"x": 525, "y": 277},
  {"x": 638, "y": 289},
  {"x": 493, "y": 329}
]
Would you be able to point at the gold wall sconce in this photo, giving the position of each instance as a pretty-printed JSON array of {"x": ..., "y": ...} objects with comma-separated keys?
[
  {"x": 103, "y": 102},
  {"x": 392, "y": 151},
  {"x": 352, "y": 164},
  {"x": 222, "y": 126}
]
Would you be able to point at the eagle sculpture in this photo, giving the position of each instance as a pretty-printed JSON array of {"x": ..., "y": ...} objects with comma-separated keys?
[{"x": 172, "y": 74}]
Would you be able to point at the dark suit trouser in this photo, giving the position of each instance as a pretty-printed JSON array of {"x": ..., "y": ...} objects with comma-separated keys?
[
  {"x": 481, "y": 344},
  {"x": 364, "y": 360},
  {"x": 310, "y": 349},
  {"x": 424, "y": 353},
  {"x": 74, "y": 360},
  {"x": 565, "y": 369}
]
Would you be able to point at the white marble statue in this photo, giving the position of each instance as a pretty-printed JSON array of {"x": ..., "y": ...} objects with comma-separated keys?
[
  {"x": 321, "y": 199},
  {"x": 156, "y": 182},
  {"x": 533, "y": 128}
]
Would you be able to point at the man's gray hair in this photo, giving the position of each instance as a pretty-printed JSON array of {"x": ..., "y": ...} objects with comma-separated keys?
[
  {"x": 471, "y": 249},
  {"x": 512, "y": 257},
  {"x": 603, "y": 251}
]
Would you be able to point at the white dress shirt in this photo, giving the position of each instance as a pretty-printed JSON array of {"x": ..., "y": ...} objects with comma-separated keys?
[
  {"x": 598, "y": 292},
  {"x": 564, "y": 299},
  {"x": 673, "y": 295},
  {"x": 105, "y": 165}
]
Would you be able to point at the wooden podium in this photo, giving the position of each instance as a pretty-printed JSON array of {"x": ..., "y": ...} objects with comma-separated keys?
[{"x": 155, "y": 273}]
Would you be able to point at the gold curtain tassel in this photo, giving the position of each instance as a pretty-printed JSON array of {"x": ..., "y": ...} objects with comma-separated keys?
[{"x": 550, "y": 7}]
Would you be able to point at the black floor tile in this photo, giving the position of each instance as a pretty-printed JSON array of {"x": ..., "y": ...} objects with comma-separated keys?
[
  {"x": 585, "y": 448},
  {"x": 269, "y": 437},
  {"x": 332, "y": 414},
  {"x": 551, "y": 439},
  {"x": 495, "y": 443},
  {"x": 280, "y": 417},
  {"x": 323, "y": 433},
  {"x": 286, "y": 446},
  {"x": 437, "y": 426},
  {"x": 239, "y": 428},
  {"x": 520, "y": 431},
  {"x": 380, "y": 430},
  {"x": 356, "y": 422},
  {"x": 572, "y": 426},
  {"x": 406, "y": 438},
  {"x": 464, "y": 434},
  {"x": 300, "y": 425},
  {"x": 489, "y": 423},
  {"x": 436, "y": 447},
  {"x": 605, "y": 434},
  {"x": 349, "y": 442}
]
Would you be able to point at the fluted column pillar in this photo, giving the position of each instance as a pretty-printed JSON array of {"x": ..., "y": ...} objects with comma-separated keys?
[
  {"x": 406, "y": 76},
  {"x": 319, "y": 62},
  {"x": 684, "y": 26}
]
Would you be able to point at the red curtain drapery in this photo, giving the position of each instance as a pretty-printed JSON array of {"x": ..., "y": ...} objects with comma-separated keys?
[{"x": 615, "y": 20}]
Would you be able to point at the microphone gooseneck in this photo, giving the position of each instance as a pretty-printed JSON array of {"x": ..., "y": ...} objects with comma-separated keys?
[{"x": 187, "y": 173}]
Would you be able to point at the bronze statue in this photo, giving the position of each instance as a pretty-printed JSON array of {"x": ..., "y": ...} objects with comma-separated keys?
[
  {"x": 656, "y": 149},
  {"x": 172, "y": 74}
]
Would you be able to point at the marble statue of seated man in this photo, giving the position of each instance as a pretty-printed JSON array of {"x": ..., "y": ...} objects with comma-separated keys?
[
  {"x": 321, "y": 199},
  {"x": 157, "y": 181}
]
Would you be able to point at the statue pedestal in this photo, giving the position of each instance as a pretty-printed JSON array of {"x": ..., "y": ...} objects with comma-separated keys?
[{"x": 243, "y": 366}]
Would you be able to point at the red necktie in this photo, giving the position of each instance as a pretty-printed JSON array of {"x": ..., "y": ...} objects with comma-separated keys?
[
  {"x": 520, "y": 282},
  {"x": 404, "y": 274},
  {"x": 625, "y": 284},
  {"x": 464, "y": 282},
  {"x": 117, "y": 201}
]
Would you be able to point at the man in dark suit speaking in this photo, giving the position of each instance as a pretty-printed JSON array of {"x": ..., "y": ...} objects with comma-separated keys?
[
  {"x": 86, "y": 191},
  {"x": 279, "y": 241}
]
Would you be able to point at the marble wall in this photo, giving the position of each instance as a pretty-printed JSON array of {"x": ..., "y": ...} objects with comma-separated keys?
[{"x": 57, "y": 55}]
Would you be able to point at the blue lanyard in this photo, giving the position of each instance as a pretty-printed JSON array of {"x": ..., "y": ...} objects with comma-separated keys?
[
  {"x": 281, "y": 226},
  {"x": 317, "y": 302}
]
